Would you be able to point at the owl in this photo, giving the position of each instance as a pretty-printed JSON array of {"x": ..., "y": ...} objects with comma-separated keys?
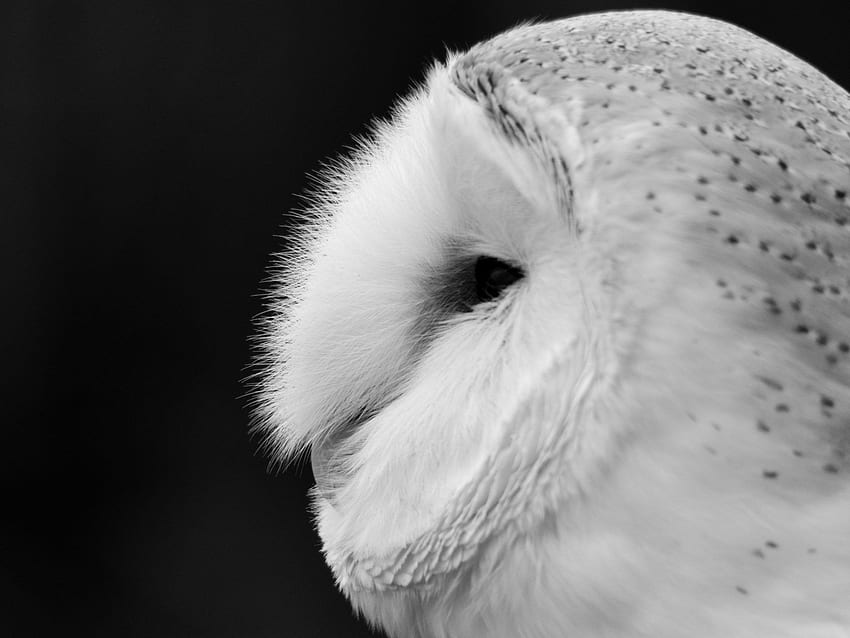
[{"x": 568, "y": 342}]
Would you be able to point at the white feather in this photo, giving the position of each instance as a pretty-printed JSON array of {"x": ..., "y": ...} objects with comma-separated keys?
[{"x": 588, "y": 453}]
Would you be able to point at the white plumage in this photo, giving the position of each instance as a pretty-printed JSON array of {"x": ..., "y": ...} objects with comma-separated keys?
[{"x": 569, "y": 342}]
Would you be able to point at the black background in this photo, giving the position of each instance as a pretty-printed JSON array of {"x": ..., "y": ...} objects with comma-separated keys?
[{"x": 148, "y": 157}]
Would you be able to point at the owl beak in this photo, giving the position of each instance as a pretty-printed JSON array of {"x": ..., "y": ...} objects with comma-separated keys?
[{"x": 327, "y": 454}]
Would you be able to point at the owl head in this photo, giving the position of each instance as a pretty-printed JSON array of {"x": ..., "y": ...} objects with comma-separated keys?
[{"x": 504, "y": 336}]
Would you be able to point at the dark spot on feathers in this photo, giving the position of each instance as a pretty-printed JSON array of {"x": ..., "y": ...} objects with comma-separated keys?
[
  {"x": 769, "y": 474},
  {"x": 758, "y": 553},
  {"x": 826, "y": 401},
  {"x": 771, "y": 545},
  {"x": 741, "y": 590},
  {"x": 830, "y": 468},
  {"x": 782, "y": 407},
  {"x": 773, "y": 384},
  {"x": 762, "y": 426},
  {"x": 772, "y": 307}
]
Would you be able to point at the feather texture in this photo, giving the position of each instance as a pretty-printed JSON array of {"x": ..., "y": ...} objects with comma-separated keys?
[{"x": 648, "y": 433}]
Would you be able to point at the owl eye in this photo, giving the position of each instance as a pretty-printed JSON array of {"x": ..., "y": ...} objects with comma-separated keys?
[{"x": 492, "y": 276}]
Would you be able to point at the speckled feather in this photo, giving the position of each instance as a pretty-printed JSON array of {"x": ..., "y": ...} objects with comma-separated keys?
[{"x": 694, "y": 478}]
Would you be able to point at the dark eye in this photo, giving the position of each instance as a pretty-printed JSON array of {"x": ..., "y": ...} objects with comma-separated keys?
[{"x": 492, "y": 276}]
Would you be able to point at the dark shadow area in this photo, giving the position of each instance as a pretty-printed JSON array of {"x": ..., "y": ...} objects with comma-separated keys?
[{"x": 149, "y": 154}]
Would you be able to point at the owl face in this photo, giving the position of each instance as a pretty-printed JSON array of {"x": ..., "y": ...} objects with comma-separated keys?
[
  {"x": 542, "y": 339},
  {"x": 431, "y": 303}
]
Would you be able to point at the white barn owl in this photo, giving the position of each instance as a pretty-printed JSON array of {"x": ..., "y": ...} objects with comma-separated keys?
[{"x": 569, "y": 342}]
